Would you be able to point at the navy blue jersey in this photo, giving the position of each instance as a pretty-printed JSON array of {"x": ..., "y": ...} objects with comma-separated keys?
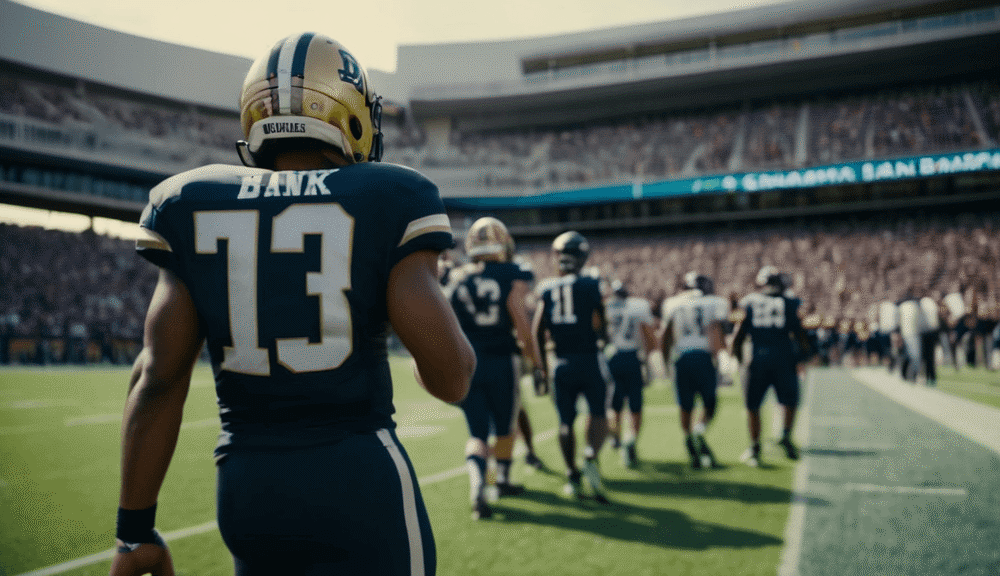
[
  {"x": 478, "y": 293},
  {"x": 771, "y": 321},
  {"x": 288, "y": 272},
  {"x": 569, "y": 303}
]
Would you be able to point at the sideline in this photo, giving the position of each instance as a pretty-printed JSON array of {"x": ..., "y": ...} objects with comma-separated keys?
[
  {"x": 794, "y": 526},
  {"x": 977, "y": 422},
  {"x": 210, "y": 526}
]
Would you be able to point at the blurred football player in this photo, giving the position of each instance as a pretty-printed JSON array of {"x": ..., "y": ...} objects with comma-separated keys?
[
  {"x": 291, "y": 271},
  {"x": 778, "y": 343},
  {"x": 489, "y": 298},
  {"x": 691, "y": 336},
  {"x": 631, "y": 333},
  {"x": 570, "y": 314}
]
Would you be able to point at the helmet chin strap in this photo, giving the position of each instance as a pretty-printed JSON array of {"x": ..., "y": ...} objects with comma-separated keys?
[{"x": 246, "y": 156}]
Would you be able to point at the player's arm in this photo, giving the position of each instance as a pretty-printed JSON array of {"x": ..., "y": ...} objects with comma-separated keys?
[
  {"x": 741, "y": 335},
  {"x": 648, "y": 337},
  {"x": 427, "y": 326},
  {"x": 599, "y": 323},
  {"x": 154, "y": 408},
  {"x": 714, "y": 333},
  {"x": 666, "y": 338},
  {"x": 518, "y": 310},
  {"x": 541, "y": 372}
]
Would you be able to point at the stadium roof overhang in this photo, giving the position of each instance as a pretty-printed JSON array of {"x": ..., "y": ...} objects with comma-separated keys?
[{"x": 946, "y": 60}]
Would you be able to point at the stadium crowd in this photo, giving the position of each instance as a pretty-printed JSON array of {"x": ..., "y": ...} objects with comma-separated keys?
[
  {"x": 71, "y": 297},
  {"x": 752, "y": 136}
]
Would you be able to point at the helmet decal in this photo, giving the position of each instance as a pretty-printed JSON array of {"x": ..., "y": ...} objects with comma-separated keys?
[{"x": 351, "y": 72}]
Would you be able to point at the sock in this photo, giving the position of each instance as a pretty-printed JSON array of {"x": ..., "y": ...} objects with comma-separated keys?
[
  {"x": 699, "y": 429},
  {"x": 477, "y": 476},
  {"x": 503, "y": 471},
  {"x": 589, "y": 453},
  {"x": 786, "y": 434}
]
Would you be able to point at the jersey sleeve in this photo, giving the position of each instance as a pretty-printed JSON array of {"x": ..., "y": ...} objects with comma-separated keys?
[
  {"x": 421, "y": 222},
  {"x": 159, "y": 241}
]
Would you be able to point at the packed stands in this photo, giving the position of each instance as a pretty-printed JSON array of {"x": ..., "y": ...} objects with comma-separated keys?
[{"x": 73, "y": 296}]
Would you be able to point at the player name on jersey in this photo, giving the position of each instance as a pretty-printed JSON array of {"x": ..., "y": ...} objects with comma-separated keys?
[{"x": 279, "y": 184}]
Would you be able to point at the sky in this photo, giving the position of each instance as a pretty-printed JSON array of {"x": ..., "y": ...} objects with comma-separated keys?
[{"x": 371, "y": 30}]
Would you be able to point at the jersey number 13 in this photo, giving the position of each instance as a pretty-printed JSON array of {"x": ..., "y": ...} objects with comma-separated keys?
[{"x": 240, "y": 228}]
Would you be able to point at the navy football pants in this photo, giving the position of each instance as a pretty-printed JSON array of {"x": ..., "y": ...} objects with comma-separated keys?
[{"x": 353, "y": 507}]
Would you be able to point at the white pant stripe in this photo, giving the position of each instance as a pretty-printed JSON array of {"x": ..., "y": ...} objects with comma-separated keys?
[{"x": 409, "y": 503}]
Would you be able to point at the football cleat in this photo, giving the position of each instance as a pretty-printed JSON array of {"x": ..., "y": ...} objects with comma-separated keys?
[
  {"x": 593, "y": 477},
  {"x": 574, "y": 485},
  {"x": 481, "y": 510},
  {"x": 752, "y": 457},
  {"x": 693, "y": 454},
  {"x": 707, "y": 456},
  {"x": 572, "y": 250},
  {"x": 309, "y": 86},
  {"x": 534, "y": 461},
  {"x": 488, "y": 237},
  {"x": 629, "y": 457},
  {"x": 791, "y": 450}
]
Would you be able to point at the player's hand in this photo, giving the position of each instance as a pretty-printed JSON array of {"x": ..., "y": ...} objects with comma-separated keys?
[
  {"x": 145, "y": 559},
  {"x": 541, "y": 381}
]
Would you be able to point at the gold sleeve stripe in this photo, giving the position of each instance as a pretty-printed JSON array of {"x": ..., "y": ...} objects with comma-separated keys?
[
  {"x": 149, "y": 239},
  {"x": 420, "y": 226}
]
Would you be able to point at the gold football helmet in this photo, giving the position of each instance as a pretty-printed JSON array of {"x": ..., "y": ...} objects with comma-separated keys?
[
  {"x": 489, "y": 237},
  {"x": 309, "y": 86}
]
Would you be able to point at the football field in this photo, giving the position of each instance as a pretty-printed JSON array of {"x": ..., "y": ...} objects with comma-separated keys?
[{"x": 59, "y": 442}]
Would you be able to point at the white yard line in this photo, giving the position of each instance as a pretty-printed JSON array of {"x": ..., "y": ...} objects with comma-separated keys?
[
  {"x": 210, "y": 526},
  {"x": 794, "y": 526},
  {"x": 930, "y": 490}
]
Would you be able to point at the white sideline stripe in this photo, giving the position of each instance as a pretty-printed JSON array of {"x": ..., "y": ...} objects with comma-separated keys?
[
  {"x": 907, "y": 489},
  {"x": 791, "y": 553},
  {"x": 977, "y": 422},
  {"x": 213, "y": 525}
]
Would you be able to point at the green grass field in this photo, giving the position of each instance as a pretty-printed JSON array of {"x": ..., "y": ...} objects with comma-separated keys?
[
  {"x": 59, "y": 442},
  {"x": 978, "y": 385}
]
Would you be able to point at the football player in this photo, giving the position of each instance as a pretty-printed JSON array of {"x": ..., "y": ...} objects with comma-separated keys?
[
  {"x": 292, "y": 270},
  {"x": 692, "y": 333},
  {"x": 489, "y": 298},
  {"x": 778, "y": 344},
  {"x": 570, "y": 314},
  {"x": 630, "y": 329}
]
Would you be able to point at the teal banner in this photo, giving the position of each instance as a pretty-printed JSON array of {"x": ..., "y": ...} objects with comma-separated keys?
[{"x": 836, "y": 174}]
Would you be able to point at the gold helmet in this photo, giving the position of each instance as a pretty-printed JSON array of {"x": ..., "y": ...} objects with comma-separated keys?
[
  {"x": 489, "y": 237},
  {"x": 309, "y": 86}
]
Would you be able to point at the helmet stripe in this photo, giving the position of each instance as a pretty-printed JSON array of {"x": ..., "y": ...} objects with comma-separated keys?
[
  {"x": 285, "y": 59},
  {"x": 299, "y": 59}
]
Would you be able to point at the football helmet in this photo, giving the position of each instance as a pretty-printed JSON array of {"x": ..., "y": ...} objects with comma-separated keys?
[
  {"x": 618, "y": 289},
  {"x": 489, "y": 237},
  {"x": 696, "y": 281},
  {"x": 770, "y": 278},
  {"x": 309, "y": 86},
  {"x": 572, "y": 249}
]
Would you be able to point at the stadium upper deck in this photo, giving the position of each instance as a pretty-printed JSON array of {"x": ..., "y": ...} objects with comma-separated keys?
[{"x": 87, "y": 123}]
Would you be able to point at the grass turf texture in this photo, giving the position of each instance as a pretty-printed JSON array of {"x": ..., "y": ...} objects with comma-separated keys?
[
  {"x": 976, "y": 384},
  {"x": 59, "y": 449}
]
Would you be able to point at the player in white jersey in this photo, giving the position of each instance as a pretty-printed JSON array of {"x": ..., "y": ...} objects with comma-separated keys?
[
  {"x": 692, "y": 337},
  {"x": 630, "y": 331},
  {"x": 911, "y": 326}
]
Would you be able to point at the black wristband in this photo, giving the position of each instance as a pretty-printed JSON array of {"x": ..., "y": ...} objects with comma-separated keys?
[{"x": 136, "y": 526}]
